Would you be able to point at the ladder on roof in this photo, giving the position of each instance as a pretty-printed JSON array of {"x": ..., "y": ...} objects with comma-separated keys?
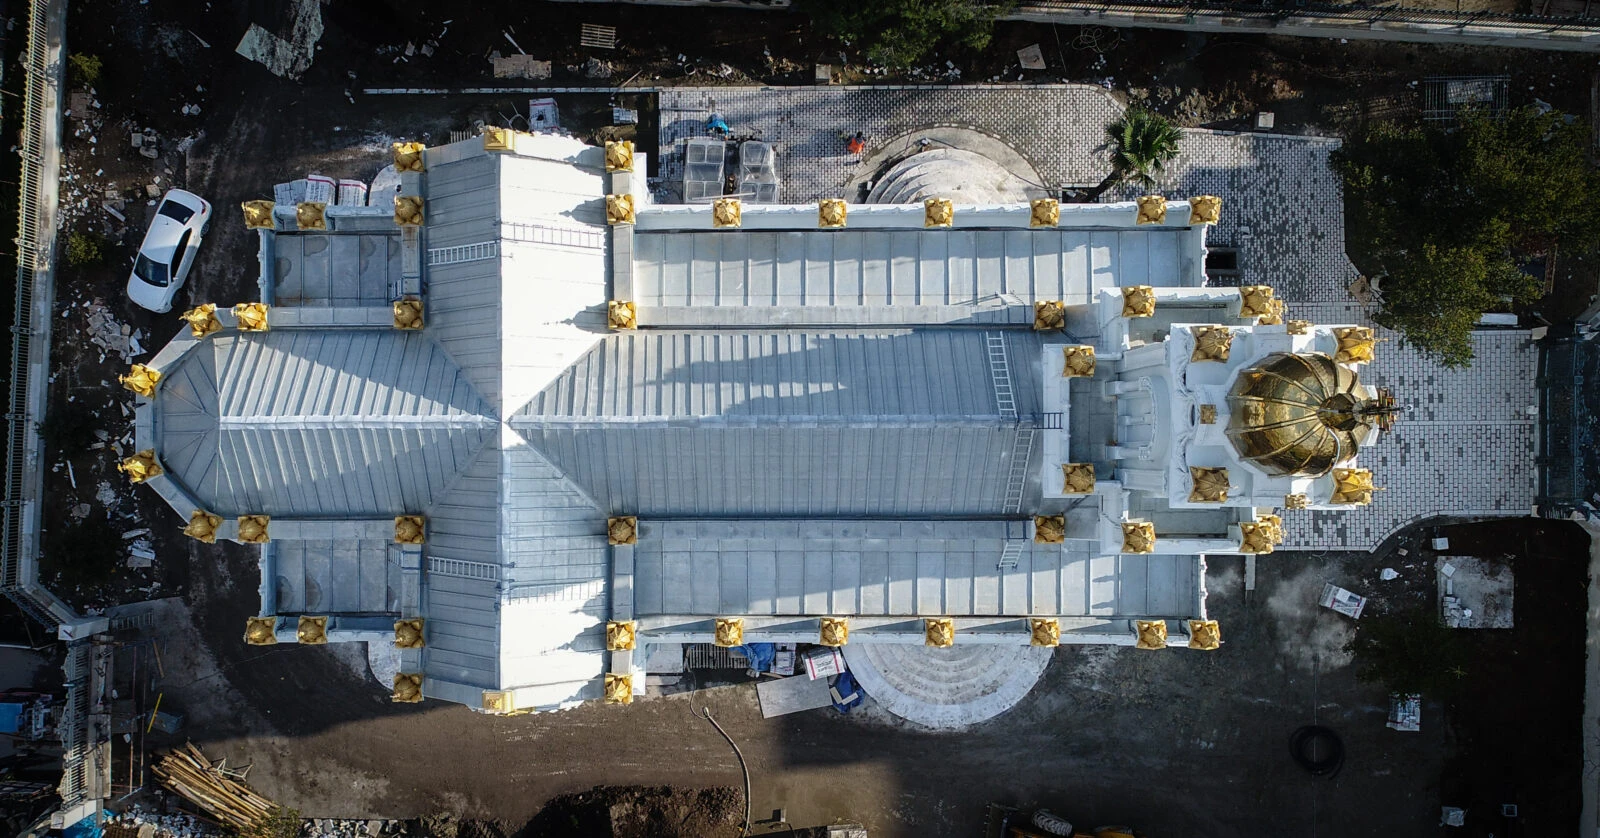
[
  {"x": 1017, "y": 478},
  {"x": 1011, "y": 553},
  {"x": 463, "y": 569},
  {"x": 1000, "y": 373}
]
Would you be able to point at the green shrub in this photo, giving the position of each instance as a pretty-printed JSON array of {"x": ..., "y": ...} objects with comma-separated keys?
[
  {"x": 1410, "y": 651},
  {"x": 85, "y": 68},
  {"x": 85, "y": 249}
]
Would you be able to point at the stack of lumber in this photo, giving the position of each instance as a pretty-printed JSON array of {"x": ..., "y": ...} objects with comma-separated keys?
[{"x": 187, "y": 771}]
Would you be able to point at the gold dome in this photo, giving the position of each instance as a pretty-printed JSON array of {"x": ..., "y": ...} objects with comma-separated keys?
[{"x": 1298, "y": 414}]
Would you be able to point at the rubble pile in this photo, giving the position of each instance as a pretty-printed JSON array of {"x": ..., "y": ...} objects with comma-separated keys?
[
  {"x": 333, "y": 828},
  {"x": 153, "y": 825},
  {"x": 112, "y": 337}
]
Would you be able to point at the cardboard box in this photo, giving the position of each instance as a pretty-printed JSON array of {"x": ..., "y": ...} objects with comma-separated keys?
[
  {"x": 823, "y": 662},
  {"x": 1345, "y": 602},
  {"x": 783, "y": 662}
]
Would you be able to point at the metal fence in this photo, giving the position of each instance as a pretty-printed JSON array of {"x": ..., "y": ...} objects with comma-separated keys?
[
  {"x": 1288, "y": 11},
  {"x": 75, "y": 744},
  {"x": 15, "y": 578},
  {"x": 1564, "y": 436}
]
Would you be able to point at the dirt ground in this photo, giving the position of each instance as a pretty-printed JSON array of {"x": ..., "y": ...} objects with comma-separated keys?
[
  {"x": 1212, "y": 728},
  {"x": 1176, "y": 743}
]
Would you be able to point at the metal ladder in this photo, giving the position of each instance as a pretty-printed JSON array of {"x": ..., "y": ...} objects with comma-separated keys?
[
  {"x": 1011, "y": 553},
  {"x": 1017, "y": 478},
  {"x": 1000, "y": 373}
]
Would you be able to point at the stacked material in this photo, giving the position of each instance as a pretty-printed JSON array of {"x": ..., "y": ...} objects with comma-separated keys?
[{"x": 187, "y": 771}]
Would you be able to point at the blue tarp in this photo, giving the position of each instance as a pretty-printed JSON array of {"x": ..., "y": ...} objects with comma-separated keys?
[
  {"x": 86, "y": 828},
  {"x": 760, "y": 655},
  {"x": 11, "y": 717},
  {"x": 845, "y": 685}
]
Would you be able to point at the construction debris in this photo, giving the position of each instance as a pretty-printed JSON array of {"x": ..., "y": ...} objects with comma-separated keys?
[
  {"x": 519, "y": 67},
  {"x": 111, "y": 336},
  {"x": 187, "y": 771}
]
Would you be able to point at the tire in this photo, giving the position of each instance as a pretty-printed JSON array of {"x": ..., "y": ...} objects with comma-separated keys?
[{"x": 1052, "y": 823}]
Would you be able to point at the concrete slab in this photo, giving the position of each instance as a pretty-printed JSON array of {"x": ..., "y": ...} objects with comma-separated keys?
[
  {"x": 1474, "y": 592},
  {"x": 783, "y": 696}
]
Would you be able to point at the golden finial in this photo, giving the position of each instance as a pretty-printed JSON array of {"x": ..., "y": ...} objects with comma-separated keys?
[
  {"x": 1205, "y": 635},
  {"x": 410, "y": 529},
  {"x": 408, "y": 314},
  {"x": 1044, "y": 631},
  {"x": 261, "y": 631},
  {"x": 619, "y": 209},
  {"x": 1152, "y": 634},
  {"x": 1077, "y": 361},
  {"x": 1046, "y": 212},
  {"x": 312, "y": 631},
  {"x": 619, "y": 688},
  {"x": 938, "y": 212},
  {"x": 939, "y": 632},
  {"x": 407, "y": 688},
  {"x": 141, "y": 379},
  {"x": 203, "y": 526},
  {"x": 1138, "y": 301},
  {"x": 622, "y": 315},
  {"x": 623, "y": 529},
  {"x": 1138, "y": 537},
  {"x": 1205, "y": 209},
  {"x": 1211, "y": 343},
  {"x": 408, "y": 157},
  {"x": 311, "y": 215},
  {"x": 253, "y": 529},
  {"x": 832, "y": 213},
  {"x": 729, "y": 632},
  {"x": 202, "y": 320},
  {"x": 726, "y": 212},
  {"x": 1049, "y": 315},
  {"x": 1077, "y": 479},
  {"x": 408, "y": 210},
  {"x": 835, "y": 631},
  {"x": 408, "y": 633},
  {"x": 141, "y": 466},
  {"x": 1210, "y": 485},
  {"x": 619, "y": 155},
  {"x": 621, "y": 635},
  {"x": 258, "y": 215},
  {"x": 252, "y": 317},
  {"x": 1049, "y": 529},
  {"x": 1152, "y": 210}
]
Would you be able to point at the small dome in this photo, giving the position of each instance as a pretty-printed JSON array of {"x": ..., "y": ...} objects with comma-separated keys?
[
  {"x": 963, "y": 176},
  {"x": 1298, "y": 414}
]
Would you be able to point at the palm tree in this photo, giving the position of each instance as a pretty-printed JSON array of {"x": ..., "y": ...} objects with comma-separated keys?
[{"x": 1141, "y": 142}]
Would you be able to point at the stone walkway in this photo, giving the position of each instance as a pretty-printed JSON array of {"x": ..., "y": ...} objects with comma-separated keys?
[
  {"x": 1283, "y": 210},
  {"x": 946, "y": 689}
]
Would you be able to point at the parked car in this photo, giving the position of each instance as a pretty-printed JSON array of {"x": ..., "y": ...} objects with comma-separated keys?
[{"x": 167, "y": 253}]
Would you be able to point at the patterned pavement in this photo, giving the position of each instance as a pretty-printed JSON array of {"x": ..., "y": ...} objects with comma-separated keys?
[{"x": 1466, "y": 449}]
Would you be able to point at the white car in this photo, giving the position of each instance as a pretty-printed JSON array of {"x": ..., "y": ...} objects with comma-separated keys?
[{"x": 168, "y": 250}]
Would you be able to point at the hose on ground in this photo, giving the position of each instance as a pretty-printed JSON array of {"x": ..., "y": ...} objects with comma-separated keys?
[{"x": 742, "y": 767}]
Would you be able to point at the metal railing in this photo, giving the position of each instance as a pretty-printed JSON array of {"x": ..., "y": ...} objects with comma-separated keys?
[
  {"x": 73, "y": 729},
  {"x": 1286, "y": 11},
  {"x": 15, "y": 580},
  {"x": 1564, "y": 437}
]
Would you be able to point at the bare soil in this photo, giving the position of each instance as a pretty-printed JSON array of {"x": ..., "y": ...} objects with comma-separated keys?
[{"x": 1088, "y": 740}]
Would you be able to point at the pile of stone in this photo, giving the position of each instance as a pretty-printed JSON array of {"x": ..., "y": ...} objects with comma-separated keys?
[
  {"x": 112, "y": 337},
  {"x": 335, "y": 828},
  {"x": 152, "y": 825}
]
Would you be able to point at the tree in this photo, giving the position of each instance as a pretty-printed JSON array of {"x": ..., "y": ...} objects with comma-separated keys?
[
  {"x": 902, "y": 33},
  {"x": 1410, "y": 651},
  {"x": 1444, "y": 217},
  {"x": 1141, "y": 143}
]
